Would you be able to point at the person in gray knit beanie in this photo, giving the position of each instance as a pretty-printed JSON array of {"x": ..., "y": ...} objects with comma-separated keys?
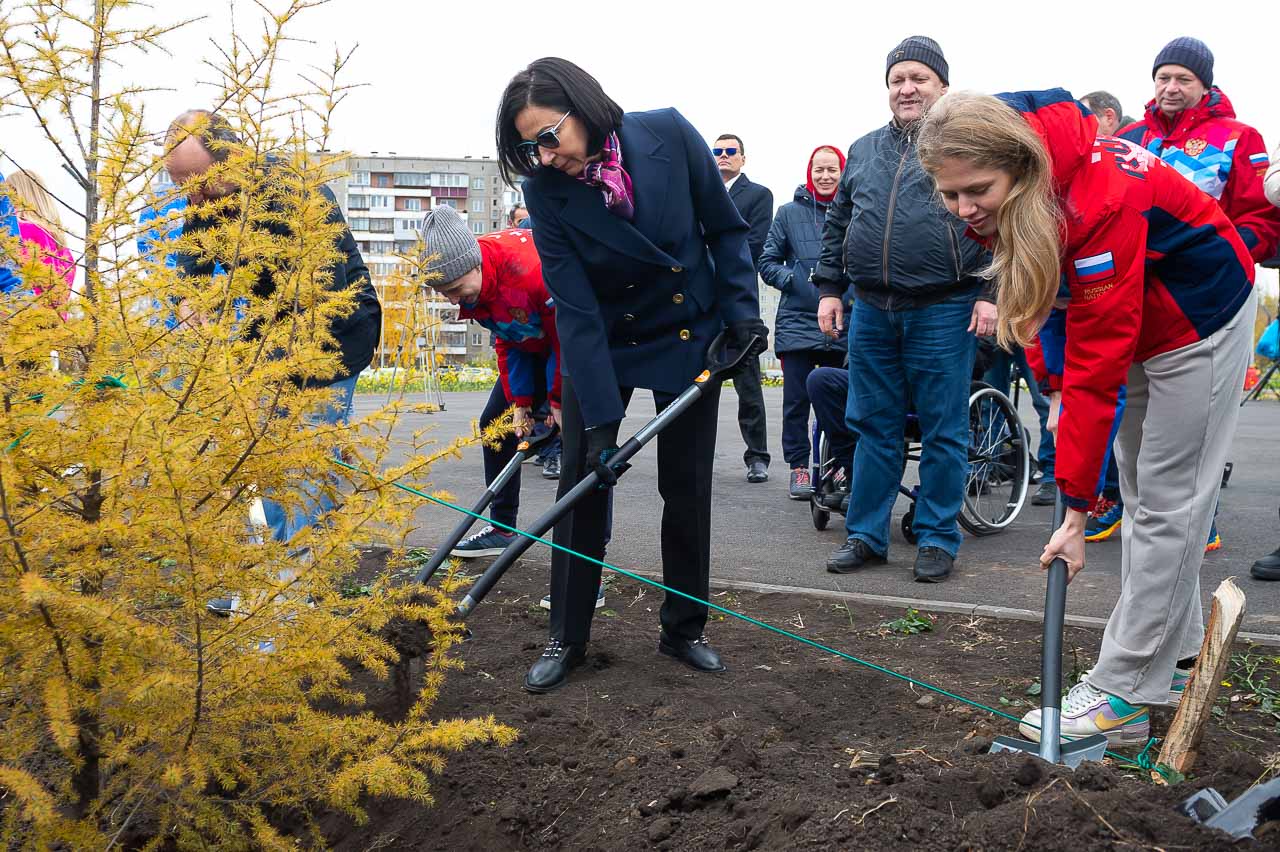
[
  {"x": 920, "y": 49},
  {"x": 451, "y": 249}
]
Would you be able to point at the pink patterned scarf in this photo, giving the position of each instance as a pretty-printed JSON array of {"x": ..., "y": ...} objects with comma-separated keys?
[{"x": 612, "y": 179}]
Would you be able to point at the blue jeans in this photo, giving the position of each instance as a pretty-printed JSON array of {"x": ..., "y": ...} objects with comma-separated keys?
[
  {"x": 1000, "y": 375},
  {"x": 928, "y": 351},
  {"x": 285, "y": 524}
]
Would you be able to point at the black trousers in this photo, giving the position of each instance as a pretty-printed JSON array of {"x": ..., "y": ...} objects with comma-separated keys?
[
  {"x": 751, "y": 416},
  {"x": 796, "y": 367},
  {"x": 686, "y": 456}
]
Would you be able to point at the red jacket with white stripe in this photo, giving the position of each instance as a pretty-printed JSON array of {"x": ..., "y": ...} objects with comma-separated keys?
[{"x": 1150, "y": 264}]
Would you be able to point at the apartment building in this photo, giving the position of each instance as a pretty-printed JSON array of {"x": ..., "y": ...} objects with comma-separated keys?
[{"x": 384, "y": 197}]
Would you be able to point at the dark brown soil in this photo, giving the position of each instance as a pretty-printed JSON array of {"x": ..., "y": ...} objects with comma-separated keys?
[{"x": 791, "y": 749}]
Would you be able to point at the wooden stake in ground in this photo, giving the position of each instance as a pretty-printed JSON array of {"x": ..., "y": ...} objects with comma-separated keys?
[{"x": 1183, "y": 741}]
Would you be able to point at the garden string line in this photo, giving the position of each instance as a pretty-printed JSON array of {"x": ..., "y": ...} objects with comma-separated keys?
[{"x": 1143, "y": 761}]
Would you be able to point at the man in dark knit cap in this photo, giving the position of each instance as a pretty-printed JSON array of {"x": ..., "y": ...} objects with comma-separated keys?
[
  {"x": 919, "y": 303},
  {"x": 1192, "y": 126}
]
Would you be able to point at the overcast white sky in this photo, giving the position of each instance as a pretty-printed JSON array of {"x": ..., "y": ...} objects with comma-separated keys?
[{"x": 785, "y": 76}]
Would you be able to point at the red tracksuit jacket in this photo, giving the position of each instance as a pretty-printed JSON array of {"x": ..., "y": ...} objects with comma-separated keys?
[
  {"x": 1150, "y": 264},
  {"x": 515, "y": 306}
]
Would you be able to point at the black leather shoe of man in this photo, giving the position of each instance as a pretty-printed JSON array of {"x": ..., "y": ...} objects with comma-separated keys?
[
  {"x": 1268, "y": 567},
  {"x": 852, "y": 555},
  {"x": 694, "y": 653},
  {"x": 553, "y": 667},
  {"x": 933, "y": 565},
  {"x": 757, "y": 471}
]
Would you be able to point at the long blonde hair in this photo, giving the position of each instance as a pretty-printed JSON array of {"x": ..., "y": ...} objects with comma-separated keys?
[
  {"x": 34, "y": 203},
  {"x": 988, "y": 133}
]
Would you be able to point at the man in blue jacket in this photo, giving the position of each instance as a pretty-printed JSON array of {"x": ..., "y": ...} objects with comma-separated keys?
[{"x": 911, "y": 340}]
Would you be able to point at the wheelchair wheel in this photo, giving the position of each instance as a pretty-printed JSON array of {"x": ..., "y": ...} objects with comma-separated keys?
[
  {"x": 908, "y": 528},
  {"x": 827, "y": 491},
  {"x": 996, "y": 482}
]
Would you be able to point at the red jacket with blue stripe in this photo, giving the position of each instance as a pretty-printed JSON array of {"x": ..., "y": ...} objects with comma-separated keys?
[
  {"x": 1150, "y": 264},
  {"x": 515, "y": 306},
  {"x": 1224, "y": 157}
]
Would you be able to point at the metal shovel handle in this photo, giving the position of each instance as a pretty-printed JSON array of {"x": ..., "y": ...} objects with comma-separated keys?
[
  {"x": 525, "y": 539},
  {"x": 1055, "y": 608},
  {"x": 526, "y": 446}
]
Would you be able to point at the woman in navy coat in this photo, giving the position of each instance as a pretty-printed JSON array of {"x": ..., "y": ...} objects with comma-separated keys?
[{"x": 646, "y": 258}]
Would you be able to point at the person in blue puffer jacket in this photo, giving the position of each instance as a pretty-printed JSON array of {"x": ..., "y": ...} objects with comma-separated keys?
[{"x": 790, "y": 253}]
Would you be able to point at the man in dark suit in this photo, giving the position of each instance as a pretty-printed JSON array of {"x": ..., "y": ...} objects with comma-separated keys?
[{"x": 755, "y": 204}]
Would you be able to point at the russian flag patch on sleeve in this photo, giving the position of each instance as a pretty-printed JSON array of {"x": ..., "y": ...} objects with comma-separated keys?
[
  {"x": 1259, "y": 160},
  {"x": 1098, "y": 267}
]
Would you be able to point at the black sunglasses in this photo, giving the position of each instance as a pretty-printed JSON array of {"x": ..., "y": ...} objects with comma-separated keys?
[
  {"x": 728, "y": 152},
  {"x": 549, "y": 138}
]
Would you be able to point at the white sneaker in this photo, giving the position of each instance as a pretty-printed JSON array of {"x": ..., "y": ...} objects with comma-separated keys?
[
  {"x": 1176, "y": 687},
  {"x": 1087, "y": 710},
  {"x": 545, "y": 603}
]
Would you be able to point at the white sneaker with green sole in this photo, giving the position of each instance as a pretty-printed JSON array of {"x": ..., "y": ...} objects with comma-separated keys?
[{"x": 1087, "y": 710}]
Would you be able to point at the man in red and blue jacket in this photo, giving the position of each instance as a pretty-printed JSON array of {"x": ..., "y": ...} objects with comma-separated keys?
[
  {"x": 496, "y": 281},
  {"x": 1191, "y": 125}
]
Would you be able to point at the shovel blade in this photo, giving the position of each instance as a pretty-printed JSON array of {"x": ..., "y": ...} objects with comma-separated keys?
[
  {"x": 1091, "y": 748},
  {"x": 1000, "y": 744},
  {"x": 1074, "y": 752}
]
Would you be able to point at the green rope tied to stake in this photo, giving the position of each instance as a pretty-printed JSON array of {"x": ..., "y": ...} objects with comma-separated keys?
[
  {"x": 729, "y": 612},
  {"x": 1147, "y": 763}
]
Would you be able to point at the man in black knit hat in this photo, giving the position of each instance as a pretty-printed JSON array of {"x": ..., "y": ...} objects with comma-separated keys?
[{"x": 919, "y": 304}]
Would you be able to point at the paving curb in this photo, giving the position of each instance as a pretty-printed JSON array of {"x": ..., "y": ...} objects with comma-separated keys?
[
  {"x": 984, "y": 610},
  {"x": 1271, "y": 640}
]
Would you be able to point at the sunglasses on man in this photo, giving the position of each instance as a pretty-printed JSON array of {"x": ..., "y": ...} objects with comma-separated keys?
[
  {"x": 549, "y": 138},
  {"x": 728, "y": 152}
]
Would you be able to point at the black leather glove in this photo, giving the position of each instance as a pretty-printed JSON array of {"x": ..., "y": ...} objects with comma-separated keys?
[
  {"x": 739, "y": 336},
  {"x": 602, "y": 443}
]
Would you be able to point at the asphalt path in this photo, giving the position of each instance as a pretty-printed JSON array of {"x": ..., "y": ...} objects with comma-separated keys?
[{"x": 759, "y": 536}]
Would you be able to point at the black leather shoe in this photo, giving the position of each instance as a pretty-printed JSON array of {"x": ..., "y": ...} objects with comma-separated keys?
[
  {"x": 1046, "y": 494},
  {"x": 933, "y": 565},
  {"x": 696, "y": 653},
  {"x": 1268, "y": 567},
  {"x": 852, "y": 555},
  {"x": 552, "y": 668},
  {"x": 757, "y": 471}
]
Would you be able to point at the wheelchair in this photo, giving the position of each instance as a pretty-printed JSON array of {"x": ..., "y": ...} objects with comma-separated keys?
[{"x": 996, "y": 482}]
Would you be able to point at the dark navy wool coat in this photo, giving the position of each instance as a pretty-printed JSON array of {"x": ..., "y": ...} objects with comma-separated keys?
[{"x": 638, "y": 303}]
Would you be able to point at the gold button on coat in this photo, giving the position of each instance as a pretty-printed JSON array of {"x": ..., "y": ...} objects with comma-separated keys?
[
  {"x": 685, "y": 334},
  {"x": 678, "y": 298},
  {"x": 677, "y": 269},
  {"x": 629, "y": 317}
]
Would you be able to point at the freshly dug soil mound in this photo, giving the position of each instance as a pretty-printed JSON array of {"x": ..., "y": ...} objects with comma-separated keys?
[{"x": 791, "y": 749}]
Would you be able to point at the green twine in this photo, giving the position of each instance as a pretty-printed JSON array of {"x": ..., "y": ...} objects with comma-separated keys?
[{"x": 101, "y": 384}]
